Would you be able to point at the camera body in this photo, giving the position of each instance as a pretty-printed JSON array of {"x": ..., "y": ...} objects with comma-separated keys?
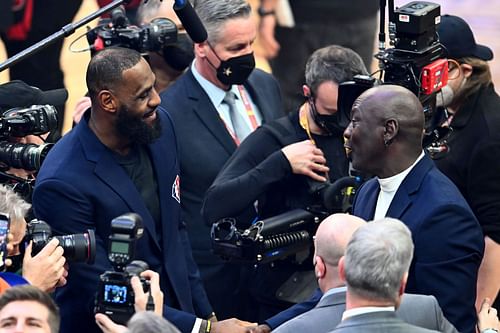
[
  {"x": 20, "y": 122},
  {"x": 115, "y": 296},
  {"x": 118, "y": 32},
  {"x": 285, "y": 234},
  {"x": 77, "y": 247}
]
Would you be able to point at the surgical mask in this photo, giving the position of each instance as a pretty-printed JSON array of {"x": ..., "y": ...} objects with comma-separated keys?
[
  {"x": 328, "y": 122},
  {"x": 445, "y": 97},
  {"x": 235, "y": 70},
  {"x": 180, "y": 54}
]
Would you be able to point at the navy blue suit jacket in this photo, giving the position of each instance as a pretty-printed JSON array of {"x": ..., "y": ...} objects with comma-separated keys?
[
  {"x": 448, "y": 241},
  {"x": 81, "y": 186}
]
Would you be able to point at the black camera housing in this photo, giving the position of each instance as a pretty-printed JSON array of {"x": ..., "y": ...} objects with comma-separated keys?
[
  {"x": 115, "y": 296},
  {"x": 77, "y": 247},
  {"x": 117, "y": 31}
]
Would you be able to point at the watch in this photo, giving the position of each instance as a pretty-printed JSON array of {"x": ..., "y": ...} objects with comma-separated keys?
[{"x": 262, "y": 12}]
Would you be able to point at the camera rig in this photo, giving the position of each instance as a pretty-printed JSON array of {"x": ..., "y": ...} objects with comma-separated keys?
[
  {"x": 284, "y": 234},
  {"x": 415, "y": 61}
]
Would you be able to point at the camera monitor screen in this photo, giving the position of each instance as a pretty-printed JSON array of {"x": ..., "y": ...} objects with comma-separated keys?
[
  {"x": 115, "y": 294},
  {"x": 119, "y": 247}
]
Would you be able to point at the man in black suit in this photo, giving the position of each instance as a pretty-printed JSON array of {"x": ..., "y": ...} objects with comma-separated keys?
[
  {"x": 375, "y": 268},
  {"x": 214, "y": 105}
]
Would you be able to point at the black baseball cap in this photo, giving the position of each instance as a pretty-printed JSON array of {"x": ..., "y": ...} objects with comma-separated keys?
[
  {"x": 458, "y": 39},
  {"x": 17, "y": 93}
]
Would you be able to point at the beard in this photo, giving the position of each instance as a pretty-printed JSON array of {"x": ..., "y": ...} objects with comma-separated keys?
[{"x": 135, "y": 129}]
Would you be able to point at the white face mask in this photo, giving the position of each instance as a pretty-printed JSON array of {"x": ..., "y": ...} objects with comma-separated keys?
[{"x": 445, "y": 97}]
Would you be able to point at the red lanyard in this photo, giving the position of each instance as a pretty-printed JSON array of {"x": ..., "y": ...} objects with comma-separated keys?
[{"x": 250, "y": 114}]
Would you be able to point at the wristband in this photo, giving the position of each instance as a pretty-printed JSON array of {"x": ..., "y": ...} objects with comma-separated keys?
[
  {"x": 209, "y": 326},
  {"x": 262, "y": 12}
]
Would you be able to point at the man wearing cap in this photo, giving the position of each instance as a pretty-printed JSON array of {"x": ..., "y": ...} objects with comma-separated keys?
[{"x": 471, "y": 160}]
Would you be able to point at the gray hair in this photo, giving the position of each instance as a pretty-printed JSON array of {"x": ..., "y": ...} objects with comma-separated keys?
[
  {"x": 332, "y": 63},
  {"x": 150, "y": 322},
  {"x": 377, "y": 257},
  {"x": 11, "y": 203},
  {"x": 215, "y": 13}
]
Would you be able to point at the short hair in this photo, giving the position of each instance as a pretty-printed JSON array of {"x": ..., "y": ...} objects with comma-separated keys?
[
  {"x": 215, "y": 13},
  {"x": 11, "y": 203},
  {"x": 106, "y": 67},
  {"x": 150, "y": 322},
  {"x": 31, "y": 293},
  {"x": 376, "y": 259},
  {"x": 333, "y": 63}
]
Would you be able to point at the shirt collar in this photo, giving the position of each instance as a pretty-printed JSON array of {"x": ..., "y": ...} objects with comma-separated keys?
[
  {"x": 215, "y": 94},
  {"x": 366, "y": 309}
]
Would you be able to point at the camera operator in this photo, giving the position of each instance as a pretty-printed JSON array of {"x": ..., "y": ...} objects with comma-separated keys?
[
  {"x": 141, "y": 301},
  {"x": 278, "y": 174},
  {"x": 46, "y": 270},
  {"x": 473, "y": 146}
]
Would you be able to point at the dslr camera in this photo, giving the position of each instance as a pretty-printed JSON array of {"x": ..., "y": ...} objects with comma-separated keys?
[
  {"x": 117, "y": 31},
  {"x": 20, "y": 122},
  {"x": 77, "y": 247},
  {"x": 115, "y": 296}
]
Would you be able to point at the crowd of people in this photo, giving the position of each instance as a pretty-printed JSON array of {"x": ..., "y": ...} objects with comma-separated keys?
[{"x": 194, "y": 134}]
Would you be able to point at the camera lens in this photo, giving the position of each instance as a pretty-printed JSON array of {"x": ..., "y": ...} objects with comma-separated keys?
[
  {"x": 23, "y": 156},
  {"x": 79, "y": 247}
]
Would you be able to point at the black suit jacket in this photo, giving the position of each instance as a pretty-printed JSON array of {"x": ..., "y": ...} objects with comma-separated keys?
[{"x": 204, "y": 146}]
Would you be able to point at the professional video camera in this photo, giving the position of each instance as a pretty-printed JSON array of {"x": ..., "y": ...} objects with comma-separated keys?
[
  {"x": 117, "y": 31},
  {"x": 20, "y": 122},
  {"x": 115, "y": 296},
  {"x": 77, "y": 247},
  {"x": 285, "y": 234},
  {"x": 415, "y": 62}
]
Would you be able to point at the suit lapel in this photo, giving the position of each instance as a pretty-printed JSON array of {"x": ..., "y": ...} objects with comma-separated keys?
[
  {"x": 364, "y": 205},
  {"x": 256, "y": 93},
  {"x": 112, "y": 174},
  {"x": 205, "y": 110},
  {"x": 410, "y": 185}
]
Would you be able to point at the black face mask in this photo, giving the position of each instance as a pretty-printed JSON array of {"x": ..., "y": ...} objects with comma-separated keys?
[
  {"x": 329, "y": 123},
  {"x": 180, "y": 54},
  {"x": 235, "y": 70}
]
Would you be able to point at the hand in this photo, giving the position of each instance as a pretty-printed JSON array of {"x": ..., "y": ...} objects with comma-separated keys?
[
  {"x": 261, "y": 329},
  {"x": 269, "y": 45},
  {"x": 306, "y": 159},
  {"x": 232, "y": 325},
  {"x": 141, "y": 298},
  {"x": 487, "y": 317},
  {"x": 107, "y": 325},
  {"x": 47, "y": 269}
]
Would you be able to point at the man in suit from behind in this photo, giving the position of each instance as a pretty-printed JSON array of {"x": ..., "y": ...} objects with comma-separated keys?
[
  {"x": 214, "y": 106},
  {"x": 331, "y": 240},
  {"x": 384, "y": 138},
  {"x": 375, "y": 269}
]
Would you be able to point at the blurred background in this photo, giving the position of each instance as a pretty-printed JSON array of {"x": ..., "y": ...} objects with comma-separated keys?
[{"x": 482, "y": 15}]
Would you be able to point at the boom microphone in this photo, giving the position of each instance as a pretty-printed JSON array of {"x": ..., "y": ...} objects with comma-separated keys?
[{"x": 190, "y": 21}]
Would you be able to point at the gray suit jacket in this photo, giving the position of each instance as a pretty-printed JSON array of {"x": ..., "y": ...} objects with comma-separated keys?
[
  {"x": 378, "y": 322},
  {"x": 419, "y": 310}
]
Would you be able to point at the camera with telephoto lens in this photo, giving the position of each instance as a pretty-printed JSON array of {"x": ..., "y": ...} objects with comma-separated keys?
[
  {"x": 20, "y": 122},
  {"x": 77, "y": 247},
  {"x": 416, "y": 62},
  {"x": 115, "y": 296},
  {"x": 117, "y": 31}
]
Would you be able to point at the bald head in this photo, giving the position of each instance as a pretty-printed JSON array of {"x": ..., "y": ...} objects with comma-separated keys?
[
  {"x": 333, "y": 234},
  {"x": 391, "y": 102}
]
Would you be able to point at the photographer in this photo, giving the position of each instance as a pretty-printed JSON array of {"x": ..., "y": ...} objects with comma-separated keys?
[
  {"x": 277, "y": 163},
  {"x": 46, "y": 270}
]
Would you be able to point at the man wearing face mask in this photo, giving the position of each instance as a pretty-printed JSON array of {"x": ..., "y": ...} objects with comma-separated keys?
[
  {"x": 470, "y": 159},
  {"x": 277, "y": 174},
  {"x": 169, "y": 63},
  {"x": 215, "y": 105}
]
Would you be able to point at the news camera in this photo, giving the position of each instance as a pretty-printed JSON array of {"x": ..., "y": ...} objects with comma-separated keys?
[
  {"x": 77, "y": 247},
  {"x": 285, "y": 234},
  {"x": 415, "y": 61},
  {"x": 117, "y": 31},
  {"x": 115, "y": 296}
]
